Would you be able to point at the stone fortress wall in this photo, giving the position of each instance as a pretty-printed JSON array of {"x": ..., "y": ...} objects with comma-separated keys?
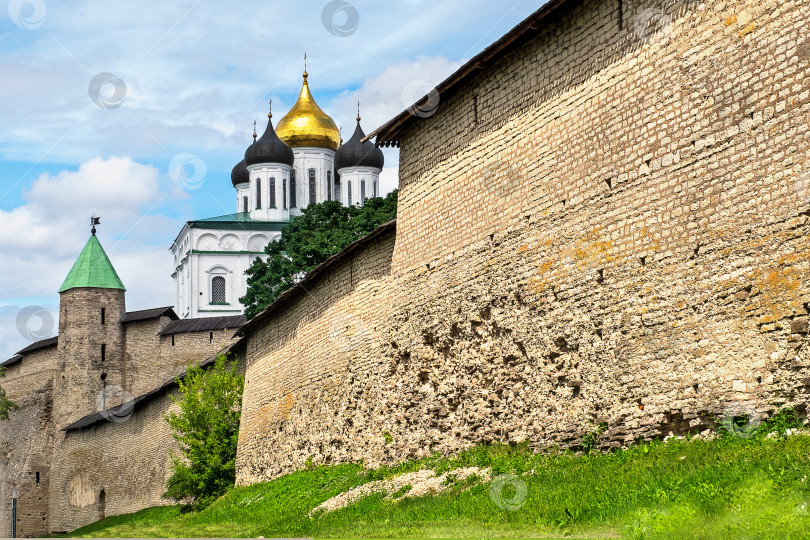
[
  {"x": 605, "y": 226},
  {"x": 57, "y": 472}
]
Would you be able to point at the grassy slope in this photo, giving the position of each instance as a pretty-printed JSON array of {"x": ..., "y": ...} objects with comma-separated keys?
[{"x": 726, "y": 488}]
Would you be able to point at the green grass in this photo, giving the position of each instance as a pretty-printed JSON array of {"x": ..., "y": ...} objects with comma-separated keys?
[{"x": 725, "y": 488}]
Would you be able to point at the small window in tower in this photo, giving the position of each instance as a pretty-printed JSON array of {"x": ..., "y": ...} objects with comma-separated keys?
[
  {"x": 311, "y": 186},
  {"x": 284, "y": 193},
  {"x": 37, "y": 478},
  {"x": 293, "y": 201},
  {"x": 258, "y": 194},
  {"x": 245, "y": 204},
  {"x": 103, "y": 352},
  {"x": 218, "y": 290},
  {"x": 102, "y": 315},
  {"x": 362, "y": 192},
  {"x": 349, "y": 192},
  {"x": 376, "y": 193},
  {"x": 210, "y": 337},
  {"x": 172, "y": 340},
  {"x": 328, "y": 185},
  {"x": 272, "y": 193}
]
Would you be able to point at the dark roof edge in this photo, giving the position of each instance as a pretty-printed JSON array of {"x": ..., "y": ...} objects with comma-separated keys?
[
  {"x": 41, "y": 344},
  {"x": 387, "y": 132},
  {"x": 95, "y": 418},
  {"x": 317, "y": 271},
  {"x": 147, "y": 314},
  {"x": 11, "y": 361}
]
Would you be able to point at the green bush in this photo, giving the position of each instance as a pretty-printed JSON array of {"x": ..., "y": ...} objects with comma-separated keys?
[
  {"x": 6, "y": 405},
  {"x": 206, "y": 429}
]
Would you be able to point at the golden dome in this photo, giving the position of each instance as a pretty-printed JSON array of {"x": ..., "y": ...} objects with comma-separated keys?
[{"x": 307, "y": 125}]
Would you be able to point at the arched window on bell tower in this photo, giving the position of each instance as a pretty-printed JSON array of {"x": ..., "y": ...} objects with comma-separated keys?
[
  {"x": 272, "y": 193},
  {"x": 258, "y": 194},
  {"x": 284, "y": 193},
  {"x": 349, "y": 192},
  {"x": 363, "y": 192},
  {"x": 293, "y": 196},
  {"x": 311, "y": 186},
  {"x": 328, "y": 185},
  {"x": 245, "y": 208}
]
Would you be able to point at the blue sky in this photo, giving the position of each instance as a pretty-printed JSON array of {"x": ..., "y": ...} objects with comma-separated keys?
[{"x": 183, "y": 78}]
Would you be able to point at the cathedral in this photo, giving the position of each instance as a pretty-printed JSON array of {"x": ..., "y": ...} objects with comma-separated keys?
[{"x": 302, "y": 160}]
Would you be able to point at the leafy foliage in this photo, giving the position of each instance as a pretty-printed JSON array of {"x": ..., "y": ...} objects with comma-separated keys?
[
  {"x": 6, "y": 405},
  {"x": 206, "y": 429},
  {"x": 321, "y": 231}
]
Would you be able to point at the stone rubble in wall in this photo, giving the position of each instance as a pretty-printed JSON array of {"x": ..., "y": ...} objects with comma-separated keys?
[{"x": 424, "y": 482}]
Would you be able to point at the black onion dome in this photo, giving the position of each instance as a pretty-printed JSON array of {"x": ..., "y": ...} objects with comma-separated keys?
[
  {"x": 354, "y": 153},
  {"x": 269, "y": 149},
  {"x": 240, "y": 174}
]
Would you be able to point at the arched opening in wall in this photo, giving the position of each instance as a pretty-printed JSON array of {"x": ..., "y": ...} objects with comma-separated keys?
[
  {"x": 102, "y": 504},
  {"x": 293, "y": 197},
  {"x": 311, "y": 186},
  {"x": 218, "y": 290},
  {"x": 245, "y": 208},
  {"x": 363, "y": 192}
]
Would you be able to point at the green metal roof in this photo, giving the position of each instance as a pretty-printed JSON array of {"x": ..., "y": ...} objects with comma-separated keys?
[
  {"x": 92, "y": 269},
  {"x": 241, "y": 216}
]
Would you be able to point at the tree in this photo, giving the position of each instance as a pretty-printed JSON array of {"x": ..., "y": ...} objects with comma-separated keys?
[
  {"x": 206, "y": 429},
  {"x": 6, "y": 405},
  {"x": 320, "y": 231}
]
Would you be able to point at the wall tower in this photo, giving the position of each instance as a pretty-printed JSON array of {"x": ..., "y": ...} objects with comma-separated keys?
[{"x": 91, "y": 372}]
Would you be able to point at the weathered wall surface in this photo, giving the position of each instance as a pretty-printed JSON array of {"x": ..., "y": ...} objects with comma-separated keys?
[
  {"x": 606, "y": 227},
  {"x": 25, "y": 447},
  {"x": 129, "y": 460},
  {"x": 304, "y": 356}
]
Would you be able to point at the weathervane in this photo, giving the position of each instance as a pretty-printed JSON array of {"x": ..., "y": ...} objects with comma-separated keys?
[
  {"x": 358, "y": 110},
  {"x": 254, "y": 131},
  {"x": 93, "y": 222},
  {"x": 270, "y": 113}
]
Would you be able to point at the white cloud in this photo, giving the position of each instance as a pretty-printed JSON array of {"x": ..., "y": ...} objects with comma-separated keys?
[{"x": 43, "y": 237}]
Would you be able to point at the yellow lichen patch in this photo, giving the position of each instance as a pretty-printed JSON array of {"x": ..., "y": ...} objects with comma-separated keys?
[
  {"x": 731, "y": 20},
  {"x": 750, "y": 27},
  {"x": 523, "y": 248},
  {"x": 285, "y": 406}
]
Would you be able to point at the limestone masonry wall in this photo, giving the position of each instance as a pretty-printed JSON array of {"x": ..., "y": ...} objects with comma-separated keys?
[
  {"x": 127, "y": 460},
  {"x": 607, "y": 227}
]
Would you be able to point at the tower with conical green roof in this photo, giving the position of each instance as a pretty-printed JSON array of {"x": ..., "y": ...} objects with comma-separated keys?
[{"x": 91, "y": 336}]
